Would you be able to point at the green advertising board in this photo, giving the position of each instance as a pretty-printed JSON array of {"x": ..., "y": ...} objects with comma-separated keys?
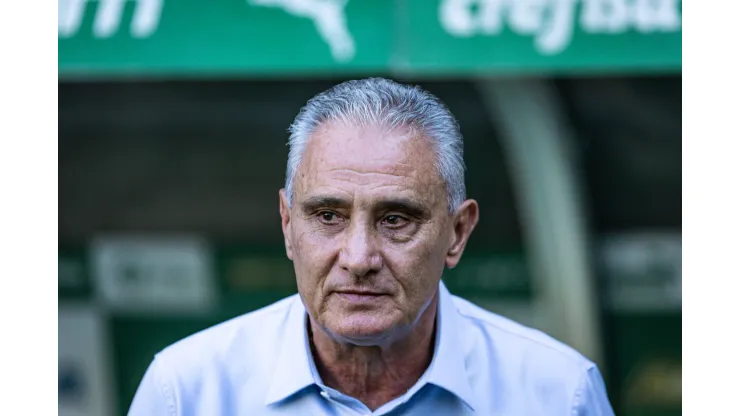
[{"x": 303, "y": 37}]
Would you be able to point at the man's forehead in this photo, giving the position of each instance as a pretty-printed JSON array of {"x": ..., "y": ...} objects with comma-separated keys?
[
  {"x": 369, "y": 153},
  {"x": 369, "y": 156}
]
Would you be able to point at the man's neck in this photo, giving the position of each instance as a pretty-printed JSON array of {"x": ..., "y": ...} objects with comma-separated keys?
[{"x": 376, "y": 375}]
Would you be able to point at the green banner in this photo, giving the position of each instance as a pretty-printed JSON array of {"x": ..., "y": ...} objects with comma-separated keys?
[{"x": 302, "y": 37}]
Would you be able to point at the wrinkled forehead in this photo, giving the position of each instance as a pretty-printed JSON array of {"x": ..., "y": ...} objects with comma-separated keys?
[{"x": 365, "y": 159}]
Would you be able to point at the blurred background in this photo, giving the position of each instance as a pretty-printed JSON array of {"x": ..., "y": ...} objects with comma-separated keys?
[{"x": 172, "y": 133}]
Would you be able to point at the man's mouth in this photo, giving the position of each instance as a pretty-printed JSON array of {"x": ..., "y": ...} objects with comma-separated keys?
[{"x": 359, "y": 296}]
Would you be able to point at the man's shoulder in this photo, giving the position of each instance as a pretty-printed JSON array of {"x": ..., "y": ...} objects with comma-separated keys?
[
  {"x": 519, "y": 344},
  {"x": 538, "y": 372},
  {"x": 250, "y": 336}
]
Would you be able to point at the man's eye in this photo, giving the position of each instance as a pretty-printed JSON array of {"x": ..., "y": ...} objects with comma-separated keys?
[
  {"x": 394, "y": 221},
  {"x": 328, "y": 217}
]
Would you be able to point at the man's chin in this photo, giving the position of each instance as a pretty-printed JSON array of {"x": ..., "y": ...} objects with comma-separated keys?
[{"x": 363, "y": 332}]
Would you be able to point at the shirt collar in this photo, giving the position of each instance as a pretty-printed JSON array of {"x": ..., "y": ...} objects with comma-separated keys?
[
  {"x": 293, "y": 367},
  {"x": 293, "y": 371},
  {"x": 448, "y": 369}
]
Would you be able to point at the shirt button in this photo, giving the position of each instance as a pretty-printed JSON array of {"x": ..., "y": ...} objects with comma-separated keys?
[{"x": 324, "y": 394}]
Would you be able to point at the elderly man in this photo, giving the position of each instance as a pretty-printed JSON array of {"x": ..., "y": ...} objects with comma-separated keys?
[{"x": 373, "y": 210}]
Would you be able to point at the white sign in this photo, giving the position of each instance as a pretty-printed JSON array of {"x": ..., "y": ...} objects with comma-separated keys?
[
  {"x": 643, "y": 271},
  {"x": 139, "y": 274},
  {"x": 85, "y": 382}
]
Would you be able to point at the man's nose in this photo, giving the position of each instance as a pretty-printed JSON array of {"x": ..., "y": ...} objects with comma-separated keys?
[{"x": 360, "y": 254}]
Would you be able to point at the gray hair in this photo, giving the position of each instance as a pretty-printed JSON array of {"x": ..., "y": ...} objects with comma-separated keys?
[{"x": 381, "y": 102}]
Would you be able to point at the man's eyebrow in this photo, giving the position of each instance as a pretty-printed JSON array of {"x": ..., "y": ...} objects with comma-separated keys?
[
  {"x": 404, "y": 205},
  {"x": 316, "y": 202}
]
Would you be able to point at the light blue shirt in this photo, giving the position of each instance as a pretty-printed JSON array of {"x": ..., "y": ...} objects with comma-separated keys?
[{"x": 260, "y": 364}]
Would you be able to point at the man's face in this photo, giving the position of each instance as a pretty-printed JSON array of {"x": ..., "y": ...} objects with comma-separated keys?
[{"x": 369, "y": 231}]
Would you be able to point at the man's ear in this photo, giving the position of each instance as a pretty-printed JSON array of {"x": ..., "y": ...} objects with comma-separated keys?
[
  {"x": 464, "y": 220},
  {"x": 285, "y": 222}
]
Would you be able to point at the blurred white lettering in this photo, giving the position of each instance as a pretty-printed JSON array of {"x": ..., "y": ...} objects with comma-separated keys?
[
  {"x": 605, "y": 16},
  {"x": 108, "y": 17},
  {"x": 556, "y": 35},
  {"x": 552, "y": 22},
  {"x": 656, "y": 15},
  {"x": 457, "y": 17}
]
